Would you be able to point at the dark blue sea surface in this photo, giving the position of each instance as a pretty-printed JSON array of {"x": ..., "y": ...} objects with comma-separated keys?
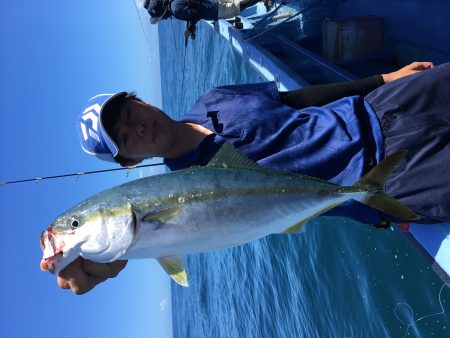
[{"x": 336, "y": 278}]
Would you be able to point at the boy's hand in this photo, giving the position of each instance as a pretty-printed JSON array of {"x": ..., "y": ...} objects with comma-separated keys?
[
  {"x": 82, "y": 275},
  {"x": 407, "y": 70}
]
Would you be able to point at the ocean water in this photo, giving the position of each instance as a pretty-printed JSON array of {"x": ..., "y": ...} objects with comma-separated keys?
[{"x": 336, "y": 278}]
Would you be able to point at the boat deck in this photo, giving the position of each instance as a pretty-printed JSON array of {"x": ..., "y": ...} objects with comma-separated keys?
[{"x": 409, "y": 31}]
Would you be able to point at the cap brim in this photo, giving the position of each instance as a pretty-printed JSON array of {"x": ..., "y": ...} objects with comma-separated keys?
[
  {"x": 111, "y": 100},
  {"x": 104, "y": 110}
]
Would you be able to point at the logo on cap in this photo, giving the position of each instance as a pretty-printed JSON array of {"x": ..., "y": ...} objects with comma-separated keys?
[{"x": 90, "y": 129}]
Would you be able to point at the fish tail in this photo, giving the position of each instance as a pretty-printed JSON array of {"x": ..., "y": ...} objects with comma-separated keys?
[{"x": 373, "y": 182}]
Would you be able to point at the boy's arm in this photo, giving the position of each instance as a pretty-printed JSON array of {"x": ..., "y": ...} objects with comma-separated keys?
[{"x": 319, "y": 95}]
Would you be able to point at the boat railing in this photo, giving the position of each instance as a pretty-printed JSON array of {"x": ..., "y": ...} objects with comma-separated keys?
[{"x": 280, "y": 59}]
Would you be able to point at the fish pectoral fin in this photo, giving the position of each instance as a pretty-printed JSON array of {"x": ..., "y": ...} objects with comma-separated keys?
[
  {"x": 174, "y": 266},
  {"x": 162, "y": 215}
]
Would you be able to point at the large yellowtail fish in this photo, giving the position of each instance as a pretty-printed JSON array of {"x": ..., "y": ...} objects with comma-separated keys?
[{"x": 229, "y": 202}]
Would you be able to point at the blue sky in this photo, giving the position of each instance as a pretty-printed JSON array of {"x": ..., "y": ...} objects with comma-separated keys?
[{"x": 56, "y": 55}]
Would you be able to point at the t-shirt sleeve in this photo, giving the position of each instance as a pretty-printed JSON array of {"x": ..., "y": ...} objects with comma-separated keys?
[
  {"x": 227, "y": 98},
  {"x": 267, "y": 89}
]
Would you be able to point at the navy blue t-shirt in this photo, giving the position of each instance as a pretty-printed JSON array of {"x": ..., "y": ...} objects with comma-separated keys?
[{"x": 338, "y": 142}]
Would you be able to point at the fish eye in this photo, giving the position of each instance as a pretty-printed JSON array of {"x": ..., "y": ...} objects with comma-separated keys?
[{"x": 74, "y": 224}]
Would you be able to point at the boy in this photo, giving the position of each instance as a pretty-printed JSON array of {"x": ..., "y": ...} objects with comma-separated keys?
[{"x": 338, "y": 138}]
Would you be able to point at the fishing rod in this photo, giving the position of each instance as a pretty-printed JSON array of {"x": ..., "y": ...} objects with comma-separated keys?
[{"x": 37, "y": 179}]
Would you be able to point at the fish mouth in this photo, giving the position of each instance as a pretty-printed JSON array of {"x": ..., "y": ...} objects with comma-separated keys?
[
  {"x": 42, "y": 239},
  {"x": 52, "y": 254},
  {"x": 49, "y": 263}
]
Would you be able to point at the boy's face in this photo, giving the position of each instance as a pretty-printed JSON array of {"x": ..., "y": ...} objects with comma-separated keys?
[{"x": 143, "y": 131}]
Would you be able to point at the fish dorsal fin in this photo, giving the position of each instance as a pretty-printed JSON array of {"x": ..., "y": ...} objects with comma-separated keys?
[
  {"x": 229, "y": 157},
  {"x": 174, "y": 266}
]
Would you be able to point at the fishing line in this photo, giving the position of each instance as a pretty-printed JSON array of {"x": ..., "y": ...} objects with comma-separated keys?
[
  {"x": 182, "y": 58},
  {"x": 183, "y": 70},
  {"x": 146, "y": 37},
  {"x": 77, "y": 175},
  {"x": 175, "y": 40},
  {"x": 413, "y": 322}
]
